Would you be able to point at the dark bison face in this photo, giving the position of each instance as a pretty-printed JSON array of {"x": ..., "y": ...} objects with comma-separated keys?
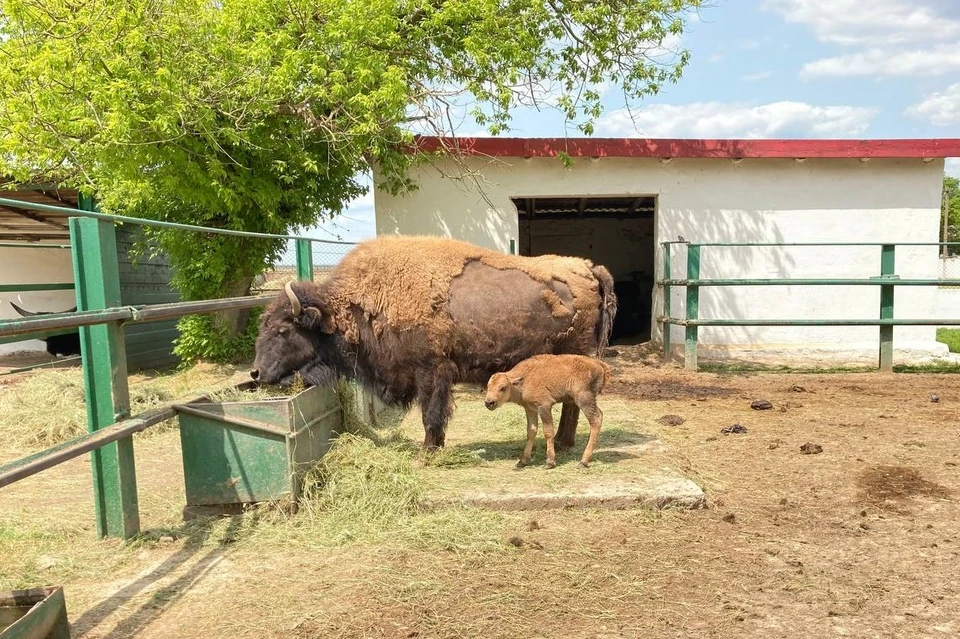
[{"x": 289, "y": 340}]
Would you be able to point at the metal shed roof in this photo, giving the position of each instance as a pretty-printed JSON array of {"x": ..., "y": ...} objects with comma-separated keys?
[{"x": 36, "y": 226}]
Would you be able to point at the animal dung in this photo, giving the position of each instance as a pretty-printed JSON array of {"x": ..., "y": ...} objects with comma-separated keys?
[
  {"x": 671, "y": 420},
  {"x": 734, "y": 429},
  {"x": 811, "y": 449},
  {"x": 761, "y": 404}
]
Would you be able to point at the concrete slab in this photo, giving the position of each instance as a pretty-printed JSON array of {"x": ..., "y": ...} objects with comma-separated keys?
[
  {"x": 631, "y": 467},
  {"x": 650, "y": 491}
]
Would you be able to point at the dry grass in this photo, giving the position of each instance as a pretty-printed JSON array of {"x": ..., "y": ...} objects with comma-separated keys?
[
  {"x": 793, "y": 545},
  {"x": 46, "y": 407}
]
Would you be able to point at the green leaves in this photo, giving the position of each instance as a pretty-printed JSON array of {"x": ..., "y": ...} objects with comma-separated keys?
[{"x": 258, "y": 115}]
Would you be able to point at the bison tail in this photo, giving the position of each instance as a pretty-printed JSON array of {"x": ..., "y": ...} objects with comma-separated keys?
[{"x": 608, "y": 307}]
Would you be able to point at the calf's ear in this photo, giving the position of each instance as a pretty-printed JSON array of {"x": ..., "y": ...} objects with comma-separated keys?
[
  {"x": 517, "y": 381},
  {"x": 314, "y": 319}
]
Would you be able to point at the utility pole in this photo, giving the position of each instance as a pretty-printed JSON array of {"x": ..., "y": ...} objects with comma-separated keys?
[{"x": 945, "y": 217}]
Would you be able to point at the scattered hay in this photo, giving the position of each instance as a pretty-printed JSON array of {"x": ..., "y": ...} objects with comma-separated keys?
[
  {"x": 455, "y": 457},
  {"x": 370, "y": 494}
]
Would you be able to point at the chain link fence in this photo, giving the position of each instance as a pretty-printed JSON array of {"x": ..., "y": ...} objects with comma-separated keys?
[
  {"x": 950, "y": 269},
  {"x": 326, "y": 255}
]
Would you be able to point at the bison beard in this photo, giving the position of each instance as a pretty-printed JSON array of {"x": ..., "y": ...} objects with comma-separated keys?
[{"x": 409, "y": 317}]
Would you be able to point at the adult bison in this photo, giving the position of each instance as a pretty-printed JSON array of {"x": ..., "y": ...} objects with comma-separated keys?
[
  {"x": 65, "y": 344},
  {"x": 410, "y": 316}
]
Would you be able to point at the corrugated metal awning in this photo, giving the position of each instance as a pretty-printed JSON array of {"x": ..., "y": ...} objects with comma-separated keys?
[{"x": 25, "y": 225}]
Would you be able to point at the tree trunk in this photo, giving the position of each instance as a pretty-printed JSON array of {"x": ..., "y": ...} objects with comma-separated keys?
[{"x": 235, "y": 321}]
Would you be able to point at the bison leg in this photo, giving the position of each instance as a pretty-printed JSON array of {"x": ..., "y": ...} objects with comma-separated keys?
[
  {"x": 531, "y": 437},
  {"x": 595, "y": 416},
  {"x": 547, "y": 418},
  {"x": 436, "y": 403},
  {"x": 567, "y": 430}
]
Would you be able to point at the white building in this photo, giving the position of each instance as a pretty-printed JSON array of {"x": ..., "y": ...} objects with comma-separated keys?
[{"x": 621, "y": 198}]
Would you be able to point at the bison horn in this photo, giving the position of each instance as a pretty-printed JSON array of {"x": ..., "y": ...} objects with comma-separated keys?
[
  {"x": 294, "y": 301},
  {"x": 23, "y": 313}
]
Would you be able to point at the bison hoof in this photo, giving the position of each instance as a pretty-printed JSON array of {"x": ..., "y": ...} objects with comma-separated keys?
[
  {"x": 584, "y": 464},
  {"x": 551, "y": 463},
  {"x": 522, "y": 464}
]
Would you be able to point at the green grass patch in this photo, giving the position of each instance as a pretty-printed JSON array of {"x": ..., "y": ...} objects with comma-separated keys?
[{"x": 950, "y": 337}]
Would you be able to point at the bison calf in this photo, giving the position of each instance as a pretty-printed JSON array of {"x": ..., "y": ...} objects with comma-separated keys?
[{"x": 540, "y": 382}]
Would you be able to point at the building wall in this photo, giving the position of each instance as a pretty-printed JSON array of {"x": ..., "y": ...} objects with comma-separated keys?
[
  {"x": 706, "y": 200},
  {"x": 143, "y": 280},
  {"x": 34, "y": 266}
]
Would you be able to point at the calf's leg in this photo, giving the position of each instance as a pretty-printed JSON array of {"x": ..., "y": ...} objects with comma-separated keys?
[
  {"x": 567, "y": 431},
  {"x": 595, "y": 416},
  {"x": 531, "y": 436},
  {"x": 547, "y": 420}
]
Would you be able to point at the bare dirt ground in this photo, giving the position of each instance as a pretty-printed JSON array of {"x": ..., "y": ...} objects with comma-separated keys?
[{"x": 859, "y": 540}]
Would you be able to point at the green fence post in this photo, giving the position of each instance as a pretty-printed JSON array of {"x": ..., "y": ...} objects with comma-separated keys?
[
  {"x": 667, "y": 274},
  {"x": 304, "y": 260},
  {"x": 887, "y": 269},
  {"x": 105, "y": 376},
  {"x": 693, "y": 307}
]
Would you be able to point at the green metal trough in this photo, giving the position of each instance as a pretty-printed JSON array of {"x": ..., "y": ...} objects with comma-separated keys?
[
  {"x": 38, "y": 613},
  {"x": 238, "y": 453}
]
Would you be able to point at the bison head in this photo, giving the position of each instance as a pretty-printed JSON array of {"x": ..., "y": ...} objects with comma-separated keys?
[
  {"x": 291, "y": 338},
  {"x": 501, "y": 388}
]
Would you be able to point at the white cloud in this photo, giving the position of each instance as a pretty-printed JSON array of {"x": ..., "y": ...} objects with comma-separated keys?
[
  {"x": 942, "y": 108},
  {"x": 881, "y": 62},
  {"x": 877, "y": 23},
  {"x": 715, "y": 58},
  {"x": 756, "y": 77},
  {"x": 891, "y": 37},
  {"x": 729, "y": 120}
]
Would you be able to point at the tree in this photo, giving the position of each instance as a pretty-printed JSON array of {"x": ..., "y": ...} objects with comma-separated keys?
[
  {"x": 258, "y": 114},
  {"x": 950, "y": 214}
]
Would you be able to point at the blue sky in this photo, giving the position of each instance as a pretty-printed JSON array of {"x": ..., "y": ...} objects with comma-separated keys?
[{"x": 782, "y": 68}]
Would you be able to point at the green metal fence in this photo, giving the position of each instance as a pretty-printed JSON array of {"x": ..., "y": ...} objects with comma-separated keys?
[
  {"x": 100, "y": 316},
  {"x": 887, "y": 280}
]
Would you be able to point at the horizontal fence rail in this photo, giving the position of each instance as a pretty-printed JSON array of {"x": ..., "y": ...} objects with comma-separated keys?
[
  {"x": 876, "y": 281},
  {"x": 99, "y": 320},
  {"x": 887, "y": 280},
  {"x": 24, "y": 288},
  {"x": 140, "y": 221},
  {"x": 28, "y": 327},
  {"x": 33, "y": 464}
]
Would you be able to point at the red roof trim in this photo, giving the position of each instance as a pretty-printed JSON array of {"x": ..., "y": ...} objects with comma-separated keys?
[{"x": 689, "y": 148}]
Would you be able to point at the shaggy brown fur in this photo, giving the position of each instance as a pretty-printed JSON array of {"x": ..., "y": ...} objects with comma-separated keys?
[
  {"x": 409, "y": 316},
  {"x": 540, "y": 382},
  {"x": 392, "y": 276}
]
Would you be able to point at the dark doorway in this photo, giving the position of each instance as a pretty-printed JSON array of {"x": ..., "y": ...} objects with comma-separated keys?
[{"x": 617, "y": 232}]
